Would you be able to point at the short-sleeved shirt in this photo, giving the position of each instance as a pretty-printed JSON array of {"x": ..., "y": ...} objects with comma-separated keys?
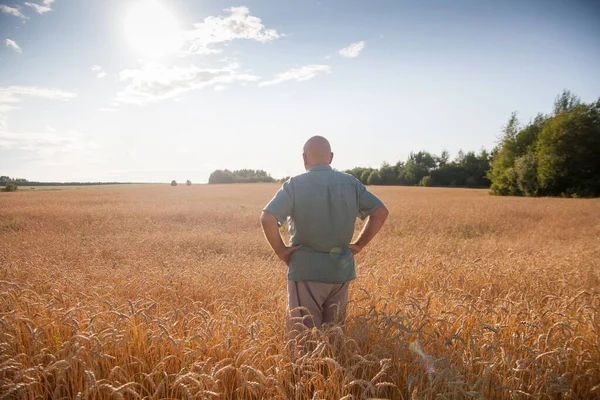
[{"x": 321, "y": 207}]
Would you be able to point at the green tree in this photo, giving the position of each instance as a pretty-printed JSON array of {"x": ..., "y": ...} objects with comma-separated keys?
[
  {"x": 443, "y": 159},
  {"x": 374, "y": 178},
  {"x": 221, "y": 176},
  {"x": 356, "y": 172},
  {"x": 399, "y": 167},
  {"x": 471, "y": 169},
  {"x": 173, "y": 182},
  {"x": 388, "y": 174},
  {"x": 364, "y": 177},
  {"x": 239, "y": 176},
  {"x": 502, "y": 173},
  {"x": 526, "y": 171},
  {"x": 568, "y": 151},
  {"x": 565, "y": 102},
  {"x": 554, "y": 155},
  {"x": 526, "y": 138},
  {"x": 188, "y": 183},
  {"x": 418, "y": 166}
]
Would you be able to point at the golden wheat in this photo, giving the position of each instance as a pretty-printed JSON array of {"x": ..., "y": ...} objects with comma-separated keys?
[{"x": 171, "y": 292}]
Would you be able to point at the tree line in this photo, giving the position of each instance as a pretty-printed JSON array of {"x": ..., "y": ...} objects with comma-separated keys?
[
  {"x": 24, "y": 182},
  {"x": 12, "y": 184},
  {"x": 239, "y": 176},
  {"x": 553, "y": 155},
  {"x": 426, "y": 169}
]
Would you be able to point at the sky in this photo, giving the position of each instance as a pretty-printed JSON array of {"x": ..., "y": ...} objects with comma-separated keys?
[{"x": 155, "y": 90}]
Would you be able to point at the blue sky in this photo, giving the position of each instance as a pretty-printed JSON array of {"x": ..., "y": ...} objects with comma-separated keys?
[{"x": 154, "y": 90}]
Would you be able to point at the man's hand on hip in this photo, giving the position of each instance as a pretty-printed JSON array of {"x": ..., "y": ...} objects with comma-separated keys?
[
  {"x": 354, "y": 248},
  {"x": 373, "y": 225},
  {"x": 271, "y": 230},
  {"x": 286, "y": 253}
]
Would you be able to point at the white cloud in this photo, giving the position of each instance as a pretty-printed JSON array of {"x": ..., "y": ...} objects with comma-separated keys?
[
  {"x": 154, "y": 82},
  {"x": 238, "y": 25},
  {"x": 41, "y": 8},
  {"x": 298, "y": 74},
  {"x": 100, "y": 73},
  {"x": 353, "y": 50},
  {"x": 14, "y": 11},
  {"x": 13, "y": 45},
  {"x": 15, "y": 94},
  {"x": 44, "y": 144},
  {"x": 11, "y": 95}
]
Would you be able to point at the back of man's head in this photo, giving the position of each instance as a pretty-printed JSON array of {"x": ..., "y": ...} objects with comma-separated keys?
[{"x": 317, "y": 150}]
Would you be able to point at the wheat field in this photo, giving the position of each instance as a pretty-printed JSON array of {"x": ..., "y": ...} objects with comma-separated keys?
[{"x": 171, "y": 292}]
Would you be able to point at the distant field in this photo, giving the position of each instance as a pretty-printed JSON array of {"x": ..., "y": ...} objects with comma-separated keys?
[
  {"x": 67, "y": 187},
  {"x": 172, "y": 292}
]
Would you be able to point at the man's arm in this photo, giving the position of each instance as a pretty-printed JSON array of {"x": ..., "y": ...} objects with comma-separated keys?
[
  {"x": 374, "y": 223},
  {"x": 271, "y": 231}
]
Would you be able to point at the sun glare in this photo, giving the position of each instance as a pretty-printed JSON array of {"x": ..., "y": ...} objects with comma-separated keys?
[{"x": 152, "y": 30}]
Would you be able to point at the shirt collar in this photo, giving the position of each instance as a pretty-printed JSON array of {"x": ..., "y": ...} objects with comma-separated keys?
[{"x": 321, "y": 167}]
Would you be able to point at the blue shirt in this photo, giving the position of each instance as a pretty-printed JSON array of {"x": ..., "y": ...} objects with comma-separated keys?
[{"x": 321, "y": 207}]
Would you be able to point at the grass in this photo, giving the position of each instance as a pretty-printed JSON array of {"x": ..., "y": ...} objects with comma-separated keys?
[{"x": 161, "y": 292}]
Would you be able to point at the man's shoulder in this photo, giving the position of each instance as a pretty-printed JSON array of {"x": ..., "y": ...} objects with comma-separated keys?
[
  {"x": 346, "y": 177},
  {"x": 339, "y": 176},
  {"x": 297, "y": 178}
]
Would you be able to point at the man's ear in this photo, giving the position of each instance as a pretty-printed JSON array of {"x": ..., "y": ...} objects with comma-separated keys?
[
  {"x": 304, "y": 158},
  {"x": 331, "y": 158}
]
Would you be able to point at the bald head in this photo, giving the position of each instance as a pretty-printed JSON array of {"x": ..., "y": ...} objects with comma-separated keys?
[{"x": 317, "y": 150}]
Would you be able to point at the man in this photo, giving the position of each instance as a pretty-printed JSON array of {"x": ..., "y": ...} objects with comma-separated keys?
[{"x": 321, "y": 207}]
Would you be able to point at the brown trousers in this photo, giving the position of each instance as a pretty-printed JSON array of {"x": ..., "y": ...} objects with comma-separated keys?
[{"x": 313, "y": 304}]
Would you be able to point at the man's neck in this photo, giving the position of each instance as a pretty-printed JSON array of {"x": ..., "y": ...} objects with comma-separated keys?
[{"x": 320, "y": 167}]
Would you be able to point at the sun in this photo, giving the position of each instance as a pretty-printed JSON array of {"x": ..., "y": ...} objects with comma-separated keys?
[{"x": 152, "y": 30}]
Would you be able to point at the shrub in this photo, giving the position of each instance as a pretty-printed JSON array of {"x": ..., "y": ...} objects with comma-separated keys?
[
  {"x": 364, "y": 177},
  {"x": 188, "y": 183},
  {"x": 10, "y": 187},
  {"x": 374, "y": 178},
  {"x": 426, "y": 181},
  {"x": 526, "y": 169},
  {"x": 173, "y": 182}
]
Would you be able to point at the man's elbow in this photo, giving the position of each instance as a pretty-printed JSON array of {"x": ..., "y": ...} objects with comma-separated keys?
[
  {"x": 267, "y": 218},
  {"x": 381, "y": 212},
  {"x": 263, "y": 218}
]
